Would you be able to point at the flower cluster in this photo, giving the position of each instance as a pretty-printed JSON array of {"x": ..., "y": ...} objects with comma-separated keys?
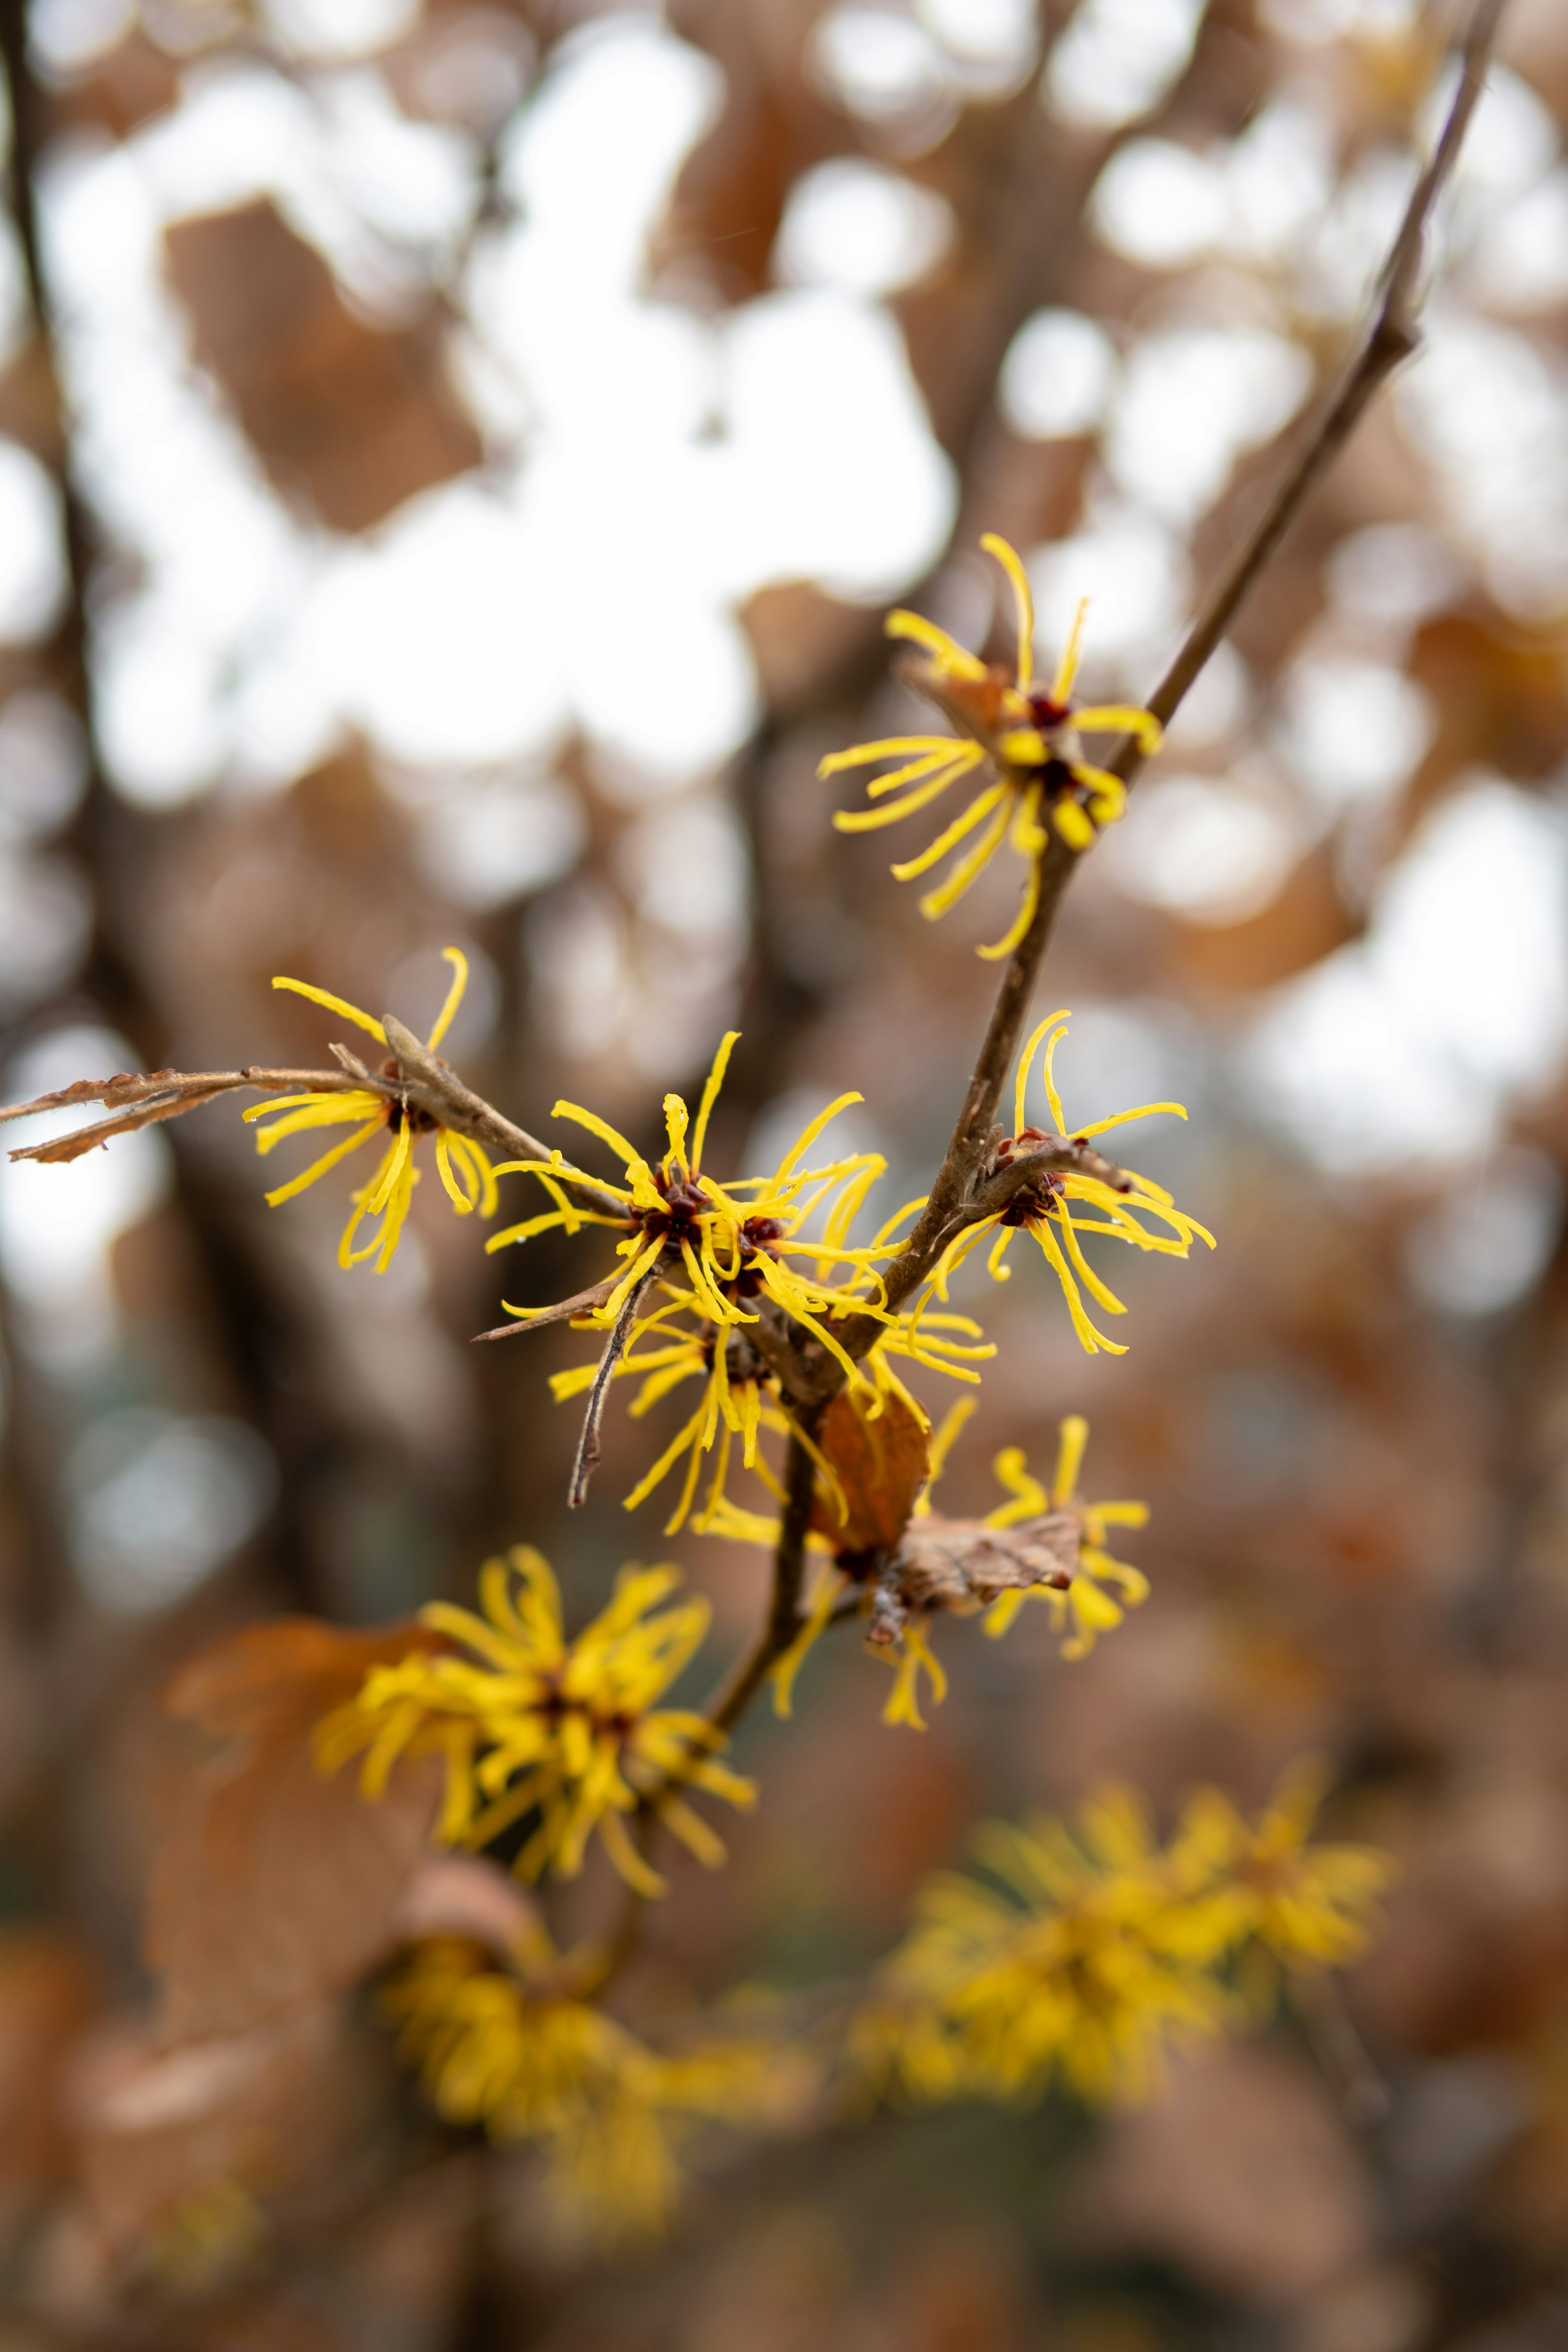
[
  {"x": 1085, "y": 1957},
  {"x": 1029, "y": 736},
  {"x": 1042, "y": 1206},
  {"x": 462, "y": 1166},
  {"x": 505, "y": 2050},
  {"x": 533, "y": 1725},
  {"x": 725, "y": 1248}
]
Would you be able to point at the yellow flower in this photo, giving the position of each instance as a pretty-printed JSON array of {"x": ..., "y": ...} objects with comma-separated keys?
[
  {"x": 464, "y": 1169},
  {"x": 1086, "y": 1603},
  {"x": 1065, "y": 1968},
  {"x": 1310, "y": 1906},
  {"x": 1043, "y": 1207},
  {"x": 527, "y": 2062},
  {"x": 733, "y": 1241},
  {"x": 1030, "y": 737},
  {"x": 532, "y": 1724},
  {"x": 741, "y": 1397}
]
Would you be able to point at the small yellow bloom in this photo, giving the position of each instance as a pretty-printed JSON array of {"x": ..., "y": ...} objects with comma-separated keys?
[
  {"x": 1081, "y": 1959},
  {"x": 734, "y": 1241},
  {"x": 1087, "y": 1606},
  {"x": 465, "y": 1171},
  {"x": 1063, "y": 1969},
  {"x": 527, "y": 2062},
  {"x": 1030, "y": 739},
  {"x": 1310, "y": 1906},
  {"x": 531, "y": 1724},
  {"x": 742, "y": 1398},
  {"x": 1043, "y": 1209}
]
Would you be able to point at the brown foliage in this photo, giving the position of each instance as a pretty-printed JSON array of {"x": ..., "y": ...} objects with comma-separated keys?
[
  {"x": 275, "y": 1887},
  {"x": 881, "y": 1463},
  {"x": 271, "y": 326}
]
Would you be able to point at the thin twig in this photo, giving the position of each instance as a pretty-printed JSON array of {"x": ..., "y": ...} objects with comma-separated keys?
[
  {"x": 586, "y": 1459},
  {"x": 1390, "y": 337},
  {"x": 442, "y": 1094}
]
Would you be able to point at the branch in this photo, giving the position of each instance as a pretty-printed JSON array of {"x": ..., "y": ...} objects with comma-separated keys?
[
  {"x": 736, "y": 1693},
  {"x": 586, "y": 1459},
  {"x": 440, "y": 1093},
  {"x": 141, "y": 1100},
  {"x": 1390, "y": 337}
]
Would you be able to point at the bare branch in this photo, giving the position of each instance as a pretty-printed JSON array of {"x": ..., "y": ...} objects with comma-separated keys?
[
  {"x": 1389, "y": 338},
  {"x": 439, "y": 1092},
  {"x": 582, "y": 1303},
  {"x": 139, "y": 1099},
  {"x": 736, "y": 1693},
  {"x": 586, "y": 1460}
]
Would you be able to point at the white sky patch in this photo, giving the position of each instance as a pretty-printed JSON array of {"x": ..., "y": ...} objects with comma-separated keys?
[
  {"x": 888, "y": 70},
  {"x": 991, "y": 44},
  {"x": 1133, "y": 570},
  {"x": 1201, "y": 849},
  {"x": 1120, "y": 59},
  {"x": 663, "y": 467},
  {"x": 32, "y": 554},
  {"x": 1489, "y": 410},
  {"x": 336, "y": 28},
  {"x": 1056, "y": 376},
  {"x": 1159, "y": 203},
  {"x": 1487, "y": 1242},
  {"x": 1518, "y": 261},
  {"x": 57, "y": 1224},
  {"x": 1353, "y": 731},
  {"x": 159, "y": 1501},
  {"x": 1411, "y": 1044},
  {"x": 852, "y": 225},
  {"x": 1192, "y": 402}
]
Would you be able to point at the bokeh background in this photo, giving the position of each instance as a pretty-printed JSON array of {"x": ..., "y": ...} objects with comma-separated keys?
[{"x": 455, "y": 500}]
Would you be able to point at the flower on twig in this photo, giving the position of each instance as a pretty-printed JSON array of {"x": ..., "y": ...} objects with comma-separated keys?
[
  {"x": 465, "y": 1171},
  {"x": 742, "y": 1399},
  {"x": 735, "y": 1242},
  {"x": 1087, "y": 1607},
  {"x": 531, "y": 1724},
  {"x": 1041, "y": 1205},
  {"x": 1030, "y": 736},
  {"x": 509, "y": 2050}
]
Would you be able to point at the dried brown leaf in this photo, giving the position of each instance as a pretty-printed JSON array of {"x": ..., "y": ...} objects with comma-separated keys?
[
  {"x": 961, "y": 1564},
  {"x": 881, "y": 1463},
  {"x": 159, "y": 2130},
  {"x": 275, "y": 1887}
]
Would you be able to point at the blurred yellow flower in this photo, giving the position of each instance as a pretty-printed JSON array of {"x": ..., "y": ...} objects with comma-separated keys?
[
  {"x": 525, "y": 2061},
  {"x": 462, "y": 1166},
  {"x": 1080, "y": 1959},
  {"x": 1030, "y": 737},
  {"x": 1310, "y": 1906},
  {"x": 1087, "y": 1606},
  {"x": 530, "y": 1723},
  {"x": 1065, "y": 1969},
  {"x": 733, "y": 1241},
  {"x": 1042, "y": 1208}
]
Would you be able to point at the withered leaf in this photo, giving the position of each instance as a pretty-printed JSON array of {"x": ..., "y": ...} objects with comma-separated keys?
[
  {"x": 961, "y": 1564},
  {"x": 264, "y": 2111},
  {"x": 881, "y": 1463},
  {"x": 274, "y": 1887}
]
